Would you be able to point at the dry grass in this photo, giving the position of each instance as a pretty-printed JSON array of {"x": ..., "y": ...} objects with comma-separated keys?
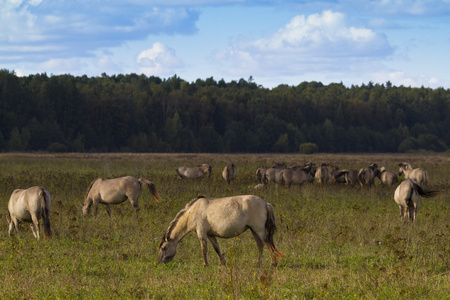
[{"x": 339, "y": 242}]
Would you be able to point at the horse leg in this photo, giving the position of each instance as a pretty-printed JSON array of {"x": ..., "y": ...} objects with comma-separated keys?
[
  {"x": 260, "y": 244},
  {"x": 216, "y": 246},
  {"x": 35, "y": 226},
  {"x": 13, "y": 224},
  {"x": 95, "y": 204},
  {"x": 135, "y": 204},
  {"x": 108, "y": 209},
  {"x": 204, "y": 244}
]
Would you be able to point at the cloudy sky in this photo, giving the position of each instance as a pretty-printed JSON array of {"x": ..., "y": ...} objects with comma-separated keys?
[{"x": 276, "y": 42}]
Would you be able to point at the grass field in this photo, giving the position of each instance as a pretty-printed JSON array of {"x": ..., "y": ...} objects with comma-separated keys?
[{"x": 339, "y": 242}]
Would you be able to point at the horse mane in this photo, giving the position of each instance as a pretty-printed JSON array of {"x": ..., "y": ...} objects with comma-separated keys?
[
  {"x": 92, "y": 183},
  {"x": 177, "y": 218}
]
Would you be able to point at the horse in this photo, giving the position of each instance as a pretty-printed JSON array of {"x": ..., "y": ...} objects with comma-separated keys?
[
  {"x": 30, "y": 205},
  {"x": 366, "y": 176},
  {"x": 386, "y": 177},
  {"x": 225, "y": 218},
  {"x": 325, "y": 173},
  {"x": 297, "y": 175},
  {"x": 194, "y": 172},
  {"x": 349, "y": 176},
  {"x": 260, "y": 174},
  {"x": 407, "y": 198},
  {"x": 273, "y": 174},
  {"x": 418, "y": 174},
  {"x": 116, "y": 191},
  {"x": 229, "y": 173}
]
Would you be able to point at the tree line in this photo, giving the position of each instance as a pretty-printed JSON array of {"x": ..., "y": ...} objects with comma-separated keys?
[{"x": 138, "y": 113}]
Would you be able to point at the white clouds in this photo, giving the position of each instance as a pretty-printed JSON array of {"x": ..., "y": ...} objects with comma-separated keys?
[
  {"x": 71, "y": 29},
  {"x": 159, "y": 60},
  {"x": 307, "y": 44}
]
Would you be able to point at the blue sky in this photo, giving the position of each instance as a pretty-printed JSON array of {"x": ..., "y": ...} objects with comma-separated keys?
[{"x": 276, "y": 42}]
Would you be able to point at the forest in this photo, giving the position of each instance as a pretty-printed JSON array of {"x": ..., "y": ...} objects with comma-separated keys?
[{"x": 139, "y": 113}]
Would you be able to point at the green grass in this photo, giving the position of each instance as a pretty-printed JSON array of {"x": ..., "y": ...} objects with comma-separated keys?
[{"x": 339, "y": 242}]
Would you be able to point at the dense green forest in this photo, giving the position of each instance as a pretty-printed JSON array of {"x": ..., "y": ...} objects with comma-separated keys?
[{"x": 137, "y": 113}]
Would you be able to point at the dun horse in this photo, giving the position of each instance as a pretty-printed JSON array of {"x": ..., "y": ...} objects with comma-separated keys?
[
  {"x": 419, "y": 174},
  {"x": 222, "y": 217},
  {"x": 116, "y": 191},
  {"x": 30, "y": 206},
  {"x": 194, "y": 172},
  {"x": 229, "y": 173},
  {"x": 387, "y": 177},
  {"x": 407, "y": 198}
]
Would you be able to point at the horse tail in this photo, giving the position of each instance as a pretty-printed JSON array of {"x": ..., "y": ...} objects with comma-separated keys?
[
  {"x": 422, "y": 192},
  {"x": 45, "y": 200},
  {"x": 270, "y": 231},
  {"x": 151, "y": 187}
]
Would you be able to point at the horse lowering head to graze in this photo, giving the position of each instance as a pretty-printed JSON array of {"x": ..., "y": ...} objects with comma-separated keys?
[
  {"x": 229, "y": 173},
  {"x": 194, "y": 172},
  {"x": 116, "y": 191},
  {"x": 407, "y": 198},
  {"x": 419, "y": 174},
  {"x": 30, "y": 205},
  {"x": 225, "y": 218},
  {"x": 386, "y": 177},
  {"x": 366, "y": 176}
]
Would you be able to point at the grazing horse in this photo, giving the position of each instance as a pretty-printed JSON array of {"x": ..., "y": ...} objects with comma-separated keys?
[
  {"x": 30, "y": 206},
  {"x": 325, "y": 173},
  {"x": 116, "y": 191},
  {"x": 407, "y": 198},
  {"x": 419, "y": 174},
  {"x": 273, "y": 174},
  {"x": 222, "y": 217},
  {"x": 298, "y": 175},
  {"x": 229, "y": 173},
  {"x": 194, "y": 172},
  {"x": 350, "y": 177},
  {"x": 366, "y": 176},
  {"x": 386, "y": 177}
]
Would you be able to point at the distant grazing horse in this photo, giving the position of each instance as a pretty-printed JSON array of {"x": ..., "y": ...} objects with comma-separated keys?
[
  {"x": 350, "y": 177},
  {"x": 222, "y": 217},
  {"x": 325, "y": 173},
  {"x": 419, "y": 174},
  {"x": 194, "y": 172},
  {"x": 30, "y": 206},
  {"x": 273, "y": 174},
  {"x": 366, "y": 176},
  {"x": 116, "y": 191},
  {"x": 298, "y": 175},
  {"x": 387, "y": 177},
  {"x": 229, "y": 173},
  {"x": 407, "y": 198}
]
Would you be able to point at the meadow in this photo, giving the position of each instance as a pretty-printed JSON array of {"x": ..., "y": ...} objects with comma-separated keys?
[{"x": 338, "y": 242}]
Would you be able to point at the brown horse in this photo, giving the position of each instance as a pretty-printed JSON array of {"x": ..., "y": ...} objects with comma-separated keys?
[
  {"x": 229, "y": 173},
  {"x": 116, "y": 191},
  {"x": 222, "y": 217},
  {"x": 30, "y": 206}
]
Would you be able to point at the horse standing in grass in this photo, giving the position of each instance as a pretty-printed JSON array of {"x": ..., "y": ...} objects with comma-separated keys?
[
  {"x": 387, "y": 177},
  {"x": 222, "y": 217},
  {"x": 229, "y": 173},
  {"x": 116, "y": 191},
  {"x": 418, "y": 174},
  {"x": 407, "y": 198},
  {"x": 30, "y": 206},
  {"x": 194, "y": 172}
]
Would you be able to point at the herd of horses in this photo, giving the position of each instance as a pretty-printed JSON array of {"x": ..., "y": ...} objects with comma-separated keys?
[{"x": 220, "y": 217}]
